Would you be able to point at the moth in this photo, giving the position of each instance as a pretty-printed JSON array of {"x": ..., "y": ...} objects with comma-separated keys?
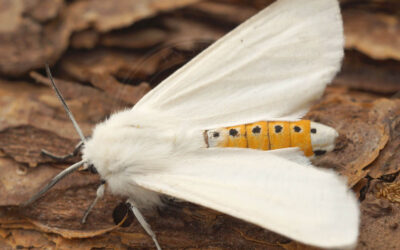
[{"x": 225, "y": 131}]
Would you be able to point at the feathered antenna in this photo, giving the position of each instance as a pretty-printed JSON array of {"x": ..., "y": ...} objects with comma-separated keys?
[{"x": 75, "y": 166}]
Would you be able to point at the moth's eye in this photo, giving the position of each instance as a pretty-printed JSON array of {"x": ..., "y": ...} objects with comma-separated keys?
[
  {"x": 92, "y": 169},
  {"x": 313, "y": 130},
  {"x": 297, "y": 129},
  {"x": 278, "y": 128}
]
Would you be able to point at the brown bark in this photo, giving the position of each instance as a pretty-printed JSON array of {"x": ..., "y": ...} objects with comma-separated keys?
[{"x": 107, "y": 54}]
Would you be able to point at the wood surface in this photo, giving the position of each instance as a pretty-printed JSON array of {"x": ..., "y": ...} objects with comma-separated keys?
[{"x": 105, "y": 55}]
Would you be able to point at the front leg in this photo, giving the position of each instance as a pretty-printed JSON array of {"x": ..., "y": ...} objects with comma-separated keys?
[
  {"x": 99, "y": 195},
  {"x": 143, "y": 222}
]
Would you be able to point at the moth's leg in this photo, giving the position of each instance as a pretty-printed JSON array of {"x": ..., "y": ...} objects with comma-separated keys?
[
  {"x": 143, "y": 222},
  {"x": 99, "y": 195},
  {"x": 63, "y": 157},
  {"x": 54, "y": 181}
]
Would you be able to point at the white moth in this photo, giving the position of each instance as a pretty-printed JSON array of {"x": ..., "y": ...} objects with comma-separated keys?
[{"x": 270, "y": 68}]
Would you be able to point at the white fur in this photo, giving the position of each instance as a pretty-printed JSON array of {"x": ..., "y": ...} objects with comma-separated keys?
[
  {"x": 272, "y": 67},
  {"x": 215, "y": 141},
  {"x": 324, "y": 138}
]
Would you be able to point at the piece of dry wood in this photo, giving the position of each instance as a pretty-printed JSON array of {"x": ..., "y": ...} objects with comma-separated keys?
[
  {"x": 375, "y": 34},
  {"x": 112, "y": 59},
  {"x": 379, "y": 223},
  {"x": 360, "y": 72},
  {"x": 82, "y": 66},
  {"x": 388, "y": 162},
  {"x": 363, "y": 124},
  {"x": 389, "y": 191},
  {"x": 42, "y": 10},
  {"x": 10, "y": 15},
  {"x": 104, "y": 15},
  {"x": 26, "y": 44}
]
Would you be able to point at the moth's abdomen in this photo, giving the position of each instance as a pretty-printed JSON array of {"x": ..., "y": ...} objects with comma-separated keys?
[{"x": 264, "y": 136}]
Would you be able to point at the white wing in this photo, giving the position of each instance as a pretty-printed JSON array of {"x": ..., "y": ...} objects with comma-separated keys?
[
  {"x": 302, "y": 202},
  {"x": 271, "y": 67}
]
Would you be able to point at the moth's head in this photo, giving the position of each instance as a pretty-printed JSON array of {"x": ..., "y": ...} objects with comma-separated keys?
[
  {"x": 322, "y": 138},
  {"x": 105, "y": 150},
  {"x": 97, "y": 150}
]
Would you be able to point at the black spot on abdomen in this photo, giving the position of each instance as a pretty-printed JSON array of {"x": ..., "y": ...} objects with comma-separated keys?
[
  {"x": 297, "y": 129},
  {"x": 256, "y": 130},
  {"x": 233, "y": 132},
  {"x": 278, "y": 128}
]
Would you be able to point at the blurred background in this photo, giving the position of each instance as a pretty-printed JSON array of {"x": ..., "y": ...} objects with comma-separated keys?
[{"x": 105, "y": 55}]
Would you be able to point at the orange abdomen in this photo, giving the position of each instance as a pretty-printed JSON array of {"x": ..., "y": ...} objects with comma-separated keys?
[{"x": 264, "y": 136}]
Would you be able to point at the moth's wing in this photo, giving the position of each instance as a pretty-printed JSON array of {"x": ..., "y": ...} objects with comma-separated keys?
[
  {"x": 300, "y": 201},
  {"x": 273, "y": 66}
]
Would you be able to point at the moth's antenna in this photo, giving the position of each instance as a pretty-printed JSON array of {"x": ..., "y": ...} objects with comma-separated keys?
[
  {"x": 69, "y": 113},
  {"x": 54, "y": 181}
]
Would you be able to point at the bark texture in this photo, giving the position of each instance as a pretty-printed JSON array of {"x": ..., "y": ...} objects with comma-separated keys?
[{"x": 106, "y": 55}]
